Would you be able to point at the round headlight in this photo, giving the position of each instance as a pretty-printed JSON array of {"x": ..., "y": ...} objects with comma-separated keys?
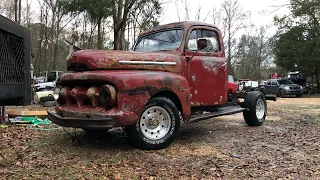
[
  {"x": 108, "y": 95},
  {"x": 104, "y": 96}
]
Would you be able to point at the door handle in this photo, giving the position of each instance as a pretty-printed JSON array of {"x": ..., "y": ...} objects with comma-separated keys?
[{"x": 224, "y": 64}]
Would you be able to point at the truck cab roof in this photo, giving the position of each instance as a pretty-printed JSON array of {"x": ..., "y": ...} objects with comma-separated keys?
[{"x": 182, "y": 24}]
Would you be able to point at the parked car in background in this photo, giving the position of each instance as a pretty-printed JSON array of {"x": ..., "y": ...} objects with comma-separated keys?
[
  {"x": 247, "y": 85},
  {"x": 281, "y": 87},
  {"x": 50, "y": 81},
  {"x": 232, "y": 86}
]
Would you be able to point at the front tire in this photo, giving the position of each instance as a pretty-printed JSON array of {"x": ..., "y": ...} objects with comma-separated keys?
[
  {"x": 281, "y": 93},
  {"x": 257, "y": 105},
  {"x": 158, "y": 125}
]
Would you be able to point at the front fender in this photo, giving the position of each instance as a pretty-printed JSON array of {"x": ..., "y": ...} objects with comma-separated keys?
[{"x": 143, "y": 85}]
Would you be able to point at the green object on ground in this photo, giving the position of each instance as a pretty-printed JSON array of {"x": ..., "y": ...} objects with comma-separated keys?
[
  {"x": 39, "y": 124},
  {"x": 3, "y": 126}
]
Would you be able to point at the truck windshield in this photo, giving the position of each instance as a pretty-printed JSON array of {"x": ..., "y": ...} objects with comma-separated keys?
[
  {"x": 160, "y": 41},
  {"x": 284, "y": 82}
]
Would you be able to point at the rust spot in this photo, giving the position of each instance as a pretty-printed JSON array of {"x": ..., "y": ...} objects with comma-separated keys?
[
  {"x": 104, "y": 59},
  {"x": 193, "y": 78},
  {"x": 134, "y": 88},
  {"x": 65, "y": 93},
  {"x": 93, "y": 95},
  {"x": 210, "y": 64},
  {"x": 79, "y": 94}
]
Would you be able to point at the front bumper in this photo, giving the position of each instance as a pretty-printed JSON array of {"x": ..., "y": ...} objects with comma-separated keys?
[
  {"x": 86, "y": 123},
  {"x": 91, "y": 118},
  {"x": 293, "y": 92}
]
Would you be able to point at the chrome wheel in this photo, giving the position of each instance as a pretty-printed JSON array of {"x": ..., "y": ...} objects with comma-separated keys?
[
  {"x": 155, "y": 123},
  {"x": 260, "y": 109}
]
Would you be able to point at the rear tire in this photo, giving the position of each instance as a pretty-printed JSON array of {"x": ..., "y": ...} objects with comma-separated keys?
[
  {"x": 256, "y": 103},
  {"x": 157, "y": 127}
]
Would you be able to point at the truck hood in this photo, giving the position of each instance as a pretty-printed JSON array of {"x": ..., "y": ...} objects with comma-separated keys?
[{"x": 85, "y": 60}]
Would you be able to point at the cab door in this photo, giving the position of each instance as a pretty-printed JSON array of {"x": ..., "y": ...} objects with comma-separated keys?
[{"x": 207, "y": 68}]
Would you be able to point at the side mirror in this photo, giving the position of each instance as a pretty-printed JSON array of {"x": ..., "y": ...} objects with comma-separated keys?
[{"x": 202, "y": 44}]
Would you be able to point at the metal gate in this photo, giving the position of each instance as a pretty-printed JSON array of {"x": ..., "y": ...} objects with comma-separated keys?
[{"x": 15, "y": 77}]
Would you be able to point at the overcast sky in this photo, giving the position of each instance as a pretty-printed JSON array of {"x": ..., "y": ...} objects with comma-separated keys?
[{"x": 262, "y": 11}]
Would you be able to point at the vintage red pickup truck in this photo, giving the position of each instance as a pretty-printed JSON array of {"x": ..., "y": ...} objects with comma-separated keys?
[{"x": 175, "y": 72}]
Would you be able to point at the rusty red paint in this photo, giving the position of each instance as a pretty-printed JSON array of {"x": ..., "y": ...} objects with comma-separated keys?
[
  {"x": 126, "y": 113},
  {"x": 65, "y": 94},
  {"x": 79, "y": 94},
  {"x": 199, "y": 82},
  {"x": 232, "y": 88},
  {"x": 105, "y": 59},
  {"x": 136, "y": 83},
  {"x": 93, "y": 95}
]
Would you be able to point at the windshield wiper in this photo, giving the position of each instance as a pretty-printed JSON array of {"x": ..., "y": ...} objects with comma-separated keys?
[{"x": 161, "y": 50}]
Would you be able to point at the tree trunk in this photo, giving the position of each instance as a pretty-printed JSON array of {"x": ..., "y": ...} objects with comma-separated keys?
[
  {"x": 318, "y": 82},
  {"x": 28, "y": 14},
  {"x": 127, "y": 47},
  {"x": 134, "y": 31},
  {"x": 99, "y": 35},
  {"x": 55, "y": 48},
  {"x": 123, "y": 41},
  {"x": 16, "y": 11},
  {"x": 229, "y": 48},
  {"x": 117, "y": 40},
  {"x": 19, "y": 18}
]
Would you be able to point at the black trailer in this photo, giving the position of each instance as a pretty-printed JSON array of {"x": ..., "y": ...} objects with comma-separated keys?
[{"x": 15, "y": 57}]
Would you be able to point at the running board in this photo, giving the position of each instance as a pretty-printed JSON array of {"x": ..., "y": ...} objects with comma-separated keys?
[{"x": 220, "y": 112}]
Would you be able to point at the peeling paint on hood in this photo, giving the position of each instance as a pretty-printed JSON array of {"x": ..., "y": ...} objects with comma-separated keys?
[{"x": 110, "y": 59}]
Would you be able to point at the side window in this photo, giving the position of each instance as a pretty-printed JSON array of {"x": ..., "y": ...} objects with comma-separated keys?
[
  {"x": 273, "y": 83},
  {"x": 208, "y": 40},
  {"x": 268, "y": 83}
]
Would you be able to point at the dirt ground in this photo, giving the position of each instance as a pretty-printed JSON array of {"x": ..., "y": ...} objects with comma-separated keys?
[{"x": 285, "y": 147}]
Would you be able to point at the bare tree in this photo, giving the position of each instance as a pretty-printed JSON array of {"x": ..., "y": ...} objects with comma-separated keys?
[
  {"x": 231, "y": 17},
  {"x": 183, "y": 7},
  {"x": 253, "y": 53},
  {"x": 144, "y": 15},
  {"x": 8, "y": 9},
  {"x": 16, "y": 10},
  {"x": 120, "y": 11},
  {"x": 19, "y": 12}
]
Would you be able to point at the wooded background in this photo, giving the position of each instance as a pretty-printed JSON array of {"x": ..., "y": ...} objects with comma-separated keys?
[{"x": 115, "y": 24}]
